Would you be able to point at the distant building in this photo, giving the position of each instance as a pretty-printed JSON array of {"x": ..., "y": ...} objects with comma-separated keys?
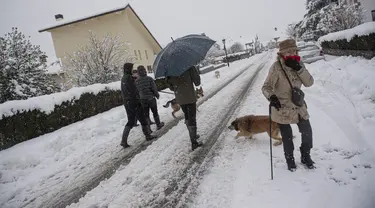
[{"x": 123, "y": 22}]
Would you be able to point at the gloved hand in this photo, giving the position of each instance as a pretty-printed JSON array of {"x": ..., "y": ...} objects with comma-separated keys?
[
  {"x": 293, "y": 64},
  {"x": 274, "y": 101}
]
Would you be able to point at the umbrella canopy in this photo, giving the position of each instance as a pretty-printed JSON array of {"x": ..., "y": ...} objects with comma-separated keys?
[{"x": 181, "y": 54}]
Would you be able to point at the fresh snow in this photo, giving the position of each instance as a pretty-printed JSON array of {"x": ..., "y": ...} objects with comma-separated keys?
[
  {"x": 47, "y": 103},
  {"x": 143, "y": 181},
  {"x": 33, "y": 171},
  {"x": 360, "y": 30},
  {"x": 236, "y": 173},
  {"x": 239, "y": 173}
]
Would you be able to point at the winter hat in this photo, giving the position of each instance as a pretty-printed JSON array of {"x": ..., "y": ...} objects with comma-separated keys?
[
  {"x": 286, "y": 45},
  {"x": 128, "y": 67}
]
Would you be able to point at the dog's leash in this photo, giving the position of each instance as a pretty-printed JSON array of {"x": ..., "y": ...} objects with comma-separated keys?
[{"x": 166, "y": 92}]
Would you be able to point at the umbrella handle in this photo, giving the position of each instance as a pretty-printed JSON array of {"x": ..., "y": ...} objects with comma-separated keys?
[{"x": 166, "y": 92}]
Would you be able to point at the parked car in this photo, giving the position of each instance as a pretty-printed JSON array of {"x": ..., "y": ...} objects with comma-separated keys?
[{"x": 310, "y": 52}]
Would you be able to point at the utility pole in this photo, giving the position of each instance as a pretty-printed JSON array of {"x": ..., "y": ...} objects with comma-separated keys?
[{"x": 226, "y": 54}]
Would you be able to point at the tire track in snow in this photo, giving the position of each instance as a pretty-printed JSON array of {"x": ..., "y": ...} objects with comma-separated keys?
[
  {"x": 71, "y": 196},
  {"x": 179, "y": 186}
]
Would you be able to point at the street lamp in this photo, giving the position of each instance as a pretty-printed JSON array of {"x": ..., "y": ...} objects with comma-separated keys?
[{"x": 226, "y": 54}]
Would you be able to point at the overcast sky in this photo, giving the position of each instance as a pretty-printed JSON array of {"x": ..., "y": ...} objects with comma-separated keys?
[{"x": 231, "y": 19}]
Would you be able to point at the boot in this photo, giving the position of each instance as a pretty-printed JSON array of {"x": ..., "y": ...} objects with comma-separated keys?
[
  {"x": 125, "y": 134},
  {"x": 146, "y": 131},
  {"x": 149, "y": 121},
  {"x": 306, "y": 158},
  {"x": 159, "y": 124},
  {"x": 197, "y": 135},
  {"x": 194, "y": 137},
  {"x": 290, "y": 162}
]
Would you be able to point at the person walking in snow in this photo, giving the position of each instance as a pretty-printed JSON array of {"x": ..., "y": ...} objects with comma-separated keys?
[
  {"x": 136, "y": 76},
  {"x": 183, "y": 87},
  {"x": 148, "y": 92},
  {"x": 133, "y": 106},
  {"x": 287, "y": 103}
]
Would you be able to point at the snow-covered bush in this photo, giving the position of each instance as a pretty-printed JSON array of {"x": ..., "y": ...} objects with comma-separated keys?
[
  {"x": 357, "y": 41},
  {"x": 361, "y": 37},
  {"x": 99, "y": 61},
  {"x": 341, "y": 17},
  {"x": 236, "y": 47},
  {"x": 21, "y": 120},
  {"x": 22, "y": 69},
  {"x": 291, "y": 31},
  {"x": 316, "y": 9}
]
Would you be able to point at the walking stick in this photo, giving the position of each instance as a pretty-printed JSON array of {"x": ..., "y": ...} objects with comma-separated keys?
[{"x": 269, "y": 117}]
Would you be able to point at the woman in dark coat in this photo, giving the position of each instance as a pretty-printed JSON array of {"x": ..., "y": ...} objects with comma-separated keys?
[{"x": 133, "y": 106}]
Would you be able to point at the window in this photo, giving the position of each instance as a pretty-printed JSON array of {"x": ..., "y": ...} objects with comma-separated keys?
[
  {"x": 146, "y": 54},
  {"x": 135, "y": 54},
  {"x": 149, "y": 69},
  {"x": 140, "y": 55},
  {"x": 373, "y": 15}
]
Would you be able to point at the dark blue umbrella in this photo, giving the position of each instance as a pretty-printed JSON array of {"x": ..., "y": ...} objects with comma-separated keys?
[{"x": 181, "y": 54}]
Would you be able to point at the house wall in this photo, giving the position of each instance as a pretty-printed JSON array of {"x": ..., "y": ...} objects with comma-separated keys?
[{"x": 67, "y": 38}]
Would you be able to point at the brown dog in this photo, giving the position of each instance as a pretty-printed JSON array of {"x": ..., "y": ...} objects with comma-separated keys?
[
  {"x": 176, "y": 107},
  {"x": 250, "y": 125}
]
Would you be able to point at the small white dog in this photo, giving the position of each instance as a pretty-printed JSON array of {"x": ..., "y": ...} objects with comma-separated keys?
[{"x": 217, "y": 74}]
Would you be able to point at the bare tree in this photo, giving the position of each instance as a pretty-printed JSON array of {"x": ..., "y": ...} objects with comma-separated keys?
[
  {"x": 341, "y": 17},
  {"x": 99, "y": 61},
  {"x": 236, "y": 47},
  {"x": 291, "y": 31}
]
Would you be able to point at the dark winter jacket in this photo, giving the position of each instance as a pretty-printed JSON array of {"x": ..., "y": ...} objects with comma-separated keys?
[
  {"x": 129, "y": 90},
  {"x": 183, "y": 86},
  {"x": 146, "y": 85}
]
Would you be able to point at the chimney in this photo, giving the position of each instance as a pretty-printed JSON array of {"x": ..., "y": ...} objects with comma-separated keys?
[{"x": 59, "y": 17}]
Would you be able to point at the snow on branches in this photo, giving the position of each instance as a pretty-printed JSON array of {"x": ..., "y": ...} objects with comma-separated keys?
[
  {"x": 22, "y": 69},
  {"x": 341, "y": 17},
  {"x": 99, "y": 61}
]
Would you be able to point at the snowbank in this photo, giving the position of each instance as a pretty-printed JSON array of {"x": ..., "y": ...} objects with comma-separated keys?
[
  {"x": 47, "y": 103},
  {"x": 360, "y": 30},
  {"x": 238, "y": 172},
  {"x": 353, "y": 77}
]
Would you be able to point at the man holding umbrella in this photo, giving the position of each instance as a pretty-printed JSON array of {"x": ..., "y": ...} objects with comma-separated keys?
[
  {"x": 183, "y": 87},
  {"x": 176, "y": 63}
]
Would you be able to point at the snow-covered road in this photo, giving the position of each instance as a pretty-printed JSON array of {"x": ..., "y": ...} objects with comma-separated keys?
[
  {"x": 47, "y": 171},
  {"x": 153, "y": 176},
  {"x": 225, "y": 172}
]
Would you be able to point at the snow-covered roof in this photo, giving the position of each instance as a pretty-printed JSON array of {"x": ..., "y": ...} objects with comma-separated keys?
[
  {"x": 72, "y": 21},
  {"x": 360, "y": 30}
]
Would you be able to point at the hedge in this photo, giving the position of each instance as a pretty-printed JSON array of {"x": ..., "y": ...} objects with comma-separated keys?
[
  {"x": 364, "y": 43},
  {"x": 26, "y": 125}
]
